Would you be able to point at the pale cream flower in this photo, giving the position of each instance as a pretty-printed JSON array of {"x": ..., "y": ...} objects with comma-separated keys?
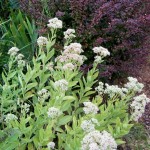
[
  {"x": 101, "y": 51},
  {"x": 55, "y": 23},
  {"x": 69, "y": 34},
  {"x": 90, "y": 108},
  {"x": 96, "y": 140},
  {"x": 68, "y": 66},
  {"x": 51, "y": 145},
  {"x": 10, "y": 117},
  {"x": 61, "y": 84},
  {"x": 13, "y": 51},
  {"x": 53, "y": 112},
  {"x": 41, "y": 41}
]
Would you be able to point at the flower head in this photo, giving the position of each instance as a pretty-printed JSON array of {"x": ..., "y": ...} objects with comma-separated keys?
[
  {"x": 21, "y": 63},
  {"x": 100, "y": 88},
  {"x": 10, "y": 117},
  {"x": 41, "y": 41},
  {"x": 61, "y": 84},
  {"x": 69, "y": 34},
  {"x": 25, "y": 107},
  {"x": 98, "y": 59},
  {"x": 55, "y": 23},
  {"x": 89, "y": 125},
  {"x": 50, "y": 66},
  {"x": 74, "y": 48},
  {"x": 103, "y": 52},
  {"x": 70, "y": 58},
  {"x": 113, "y": 90},
  {"x": 71, "y": 54},
  {"x": 51, "y": 145},
  {"x": 90, "y": 108},
  {"x": 20, "y": 56},
  {"x": 134, "y": 85},
  {"x": 68, "y": 66},
  {"x": 13, "y": 51},
  {"x": 138, "y": 106},
  {"x": 96, "y": 140},
  {"x": 43, "y": 95},
  {"x": 53, "y": 112},
  {"x": 93, "y": 146}
]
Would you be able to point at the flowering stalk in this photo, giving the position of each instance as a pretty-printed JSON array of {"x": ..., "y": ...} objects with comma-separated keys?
[{"x": 53, "y": 101}]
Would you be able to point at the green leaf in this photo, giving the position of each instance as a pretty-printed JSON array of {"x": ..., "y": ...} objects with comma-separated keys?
[
  {"x": 50, "y": 44},
  {"x": 59, "y": 129},
  {"x": 72, "y": 98},
  {"x": 11, "y": 75},
  {"x": 119, "y": 142},
  {"x": 110, "y": 128},
  {"x": 89, "y": 93},
  {"x": 50, "y": 55},
  {"x": 31, "y": 85},
  {"x": 64, "y": 120},
  {"x": 72, "y": 83},
  {"x": 66, "y": 105},
  {"x": 30, "y": 146}
]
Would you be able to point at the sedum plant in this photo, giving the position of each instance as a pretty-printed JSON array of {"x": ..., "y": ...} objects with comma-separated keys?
[{"x": 49, "y": 104}]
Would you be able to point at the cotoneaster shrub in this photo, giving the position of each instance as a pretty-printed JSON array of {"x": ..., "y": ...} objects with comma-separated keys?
[
  {"x": 49, "y": 104},
  {"x": 122, "y": 26}
]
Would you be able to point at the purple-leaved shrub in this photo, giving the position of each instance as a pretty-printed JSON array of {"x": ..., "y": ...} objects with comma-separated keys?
[{"x": 122, "y": 26}]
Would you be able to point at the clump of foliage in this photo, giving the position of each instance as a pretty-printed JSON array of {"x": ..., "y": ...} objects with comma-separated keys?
[
  {"x": 17, "y": 30},
  {"x": 120, "y": 25},
  {"x": 138, "y": 138},
  {"x": 50, "y": 104},
  {"x": 6, "y": 6},
  {"x": 21, "y": 31}
]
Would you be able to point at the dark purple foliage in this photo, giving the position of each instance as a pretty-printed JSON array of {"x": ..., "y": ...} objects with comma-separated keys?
[{"x": 122, "y": 26}]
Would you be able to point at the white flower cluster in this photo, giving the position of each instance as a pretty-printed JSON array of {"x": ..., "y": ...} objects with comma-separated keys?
[
  {"x": 96, "y": 140},
  {"x": 100, "y": 88},
  {"x": 69, "y": 66},
  {"x": 43, "y": 95},
  {"x": 89, "y": 125},
  {"x": 55, "y": 23},
  {"x": 10, "y": 117},
  {"x": 71, "y": 58},
  {"x": 25, "y": 107},
  {"x": 101, "y": 53},
  {"x": 113, "y": 90},
  {"x": 53, "y": 112},
  {"x": 13, "y": 51},
  {"x": 50, "y": 66},
  {"x": 71, "y": 54},
  {"x": 51, "y": 145},
  {"x": 69, "y": 34},
  {"x": 134, "y": 85},
  {"x": 74, "y": 48},
  {"x": 90, "y": 108},
  {"x": 61, "y": 84},
  {"x": 20, "y": 57},
  {"x": 21, "y": 63},
  {"x": 41, "y": 41},
  {"x": 138, "y": 106},
  {"x": 98, "y": 59}
]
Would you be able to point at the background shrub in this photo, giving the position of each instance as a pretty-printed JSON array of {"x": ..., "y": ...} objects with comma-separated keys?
[{"x": 120, "y": 25}]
